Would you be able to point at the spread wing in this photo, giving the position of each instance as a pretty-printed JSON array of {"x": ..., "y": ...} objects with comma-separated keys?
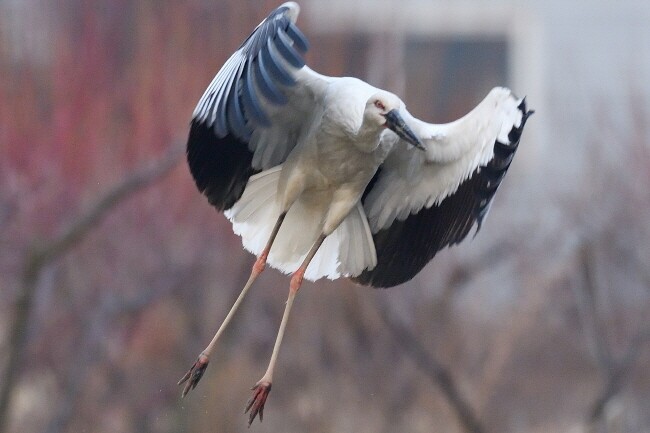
[
  {"x": 254, "y": 110},
  {"x": 421, "y": 202}
]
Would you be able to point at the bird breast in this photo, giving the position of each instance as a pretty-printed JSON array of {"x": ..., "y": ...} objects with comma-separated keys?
[
  {"x": 328, "y": 161},
  {"x": 341, "y": 161}
]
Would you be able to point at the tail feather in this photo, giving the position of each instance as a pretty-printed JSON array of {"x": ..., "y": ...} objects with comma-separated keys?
[
  {"x": 254, "y": 215},
  {"x": 356, "y": 246},
  {"x": 346, "y": 252}
]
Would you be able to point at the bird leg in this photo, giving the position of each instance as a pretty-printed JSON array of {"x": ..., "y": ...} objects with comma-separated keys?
[
  {"x": 195, "y": 373},
  {"x": 262, "y": 388}
]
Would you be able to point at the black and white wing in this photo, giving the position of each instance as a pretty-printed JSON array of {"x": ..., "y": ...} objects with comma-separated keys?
[
  {"x": 253, "y": 111},
  {"x": 421, "y": 202}
]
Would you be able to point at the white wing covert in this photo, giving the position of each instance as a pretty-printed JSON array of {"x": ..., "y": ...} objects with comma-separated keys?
[{"x": 420, "y": 202}]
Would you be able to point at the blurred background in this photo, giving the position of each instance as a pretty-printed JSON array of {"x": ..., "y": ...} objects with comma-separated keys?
[{"x": 115, "y": 272}]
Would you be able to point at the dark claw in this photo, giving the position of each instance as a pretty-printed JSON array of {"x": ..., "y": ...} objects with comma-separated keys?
[
  {"x": 256, "y": 403},
  {"x": 194, "y": 374}
]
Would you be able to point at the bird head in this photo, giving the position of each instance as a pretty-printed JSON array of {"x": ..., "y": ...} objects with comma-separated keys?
[{"x": 384, "y": 109}]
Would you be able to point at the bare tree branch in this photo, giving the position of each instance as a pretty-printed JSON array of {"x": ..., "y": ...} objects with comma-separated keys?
[
  {"x": 38, "y": 257},
  {"x": 617, "y": 375},
  {"x": 437, "y": 372},
  {"x": 614, "y": 370},
  {"x": 463, "y": 273},
  {"x": 585, "y": 295},
  {"x": 90, "y": 342}
]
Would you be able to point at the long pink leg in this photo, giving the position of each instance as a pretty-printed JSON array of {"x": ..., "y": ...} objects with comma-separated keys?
[
  {"x": 262, "y": 388},
  {"x": 195, "y": 373}
]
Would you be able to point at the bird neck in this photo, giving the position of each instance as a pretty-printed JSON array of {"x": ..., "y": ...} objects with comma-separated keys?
[{"x": 367, "y": 136}]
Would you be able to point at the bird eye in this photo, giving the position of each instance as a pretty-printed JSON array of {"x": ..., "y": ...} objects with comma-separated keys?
[{"x": 379, "y": 105}]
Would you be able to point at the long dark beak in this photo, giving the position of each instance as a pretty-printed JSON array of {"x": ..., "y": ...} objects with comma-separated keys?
[{"x": 395, "y": 123}]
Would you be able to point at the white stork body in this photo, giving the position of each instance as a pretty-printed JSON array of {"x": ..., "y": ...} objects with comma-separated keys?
[
  {"x": 331, "y": 177},
  {"x": 320, "y": 185}
]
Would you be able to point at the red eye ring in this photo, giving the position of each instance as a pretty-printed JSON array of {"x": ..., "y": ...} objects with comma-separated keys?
[{"x": 379, "y": 105}]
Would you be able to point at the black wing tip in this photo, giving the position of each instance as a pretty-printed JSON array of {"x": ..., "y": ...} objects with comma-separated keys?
[
  {"x": 494, "y": 172},
  {"x": 524, "y": 111},
  {"x": 522, "y": 105},
  {"x": 515, "y": 133}
]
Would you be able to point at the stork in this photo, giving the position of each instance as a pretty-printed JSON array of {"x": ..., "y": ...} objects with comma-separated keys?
[{"x": 332, "y": 177}]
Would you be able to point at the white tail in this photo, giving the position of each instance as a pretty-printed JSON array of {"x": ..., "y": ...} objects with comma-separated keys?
[{"x": 346, "y": 252}]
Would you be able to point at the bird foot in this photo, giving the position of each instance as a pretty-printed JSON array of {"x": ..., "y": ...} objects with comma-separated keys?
[
  {"x": 256, "y": 403},
  {"x": 194, "y": 374}
]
